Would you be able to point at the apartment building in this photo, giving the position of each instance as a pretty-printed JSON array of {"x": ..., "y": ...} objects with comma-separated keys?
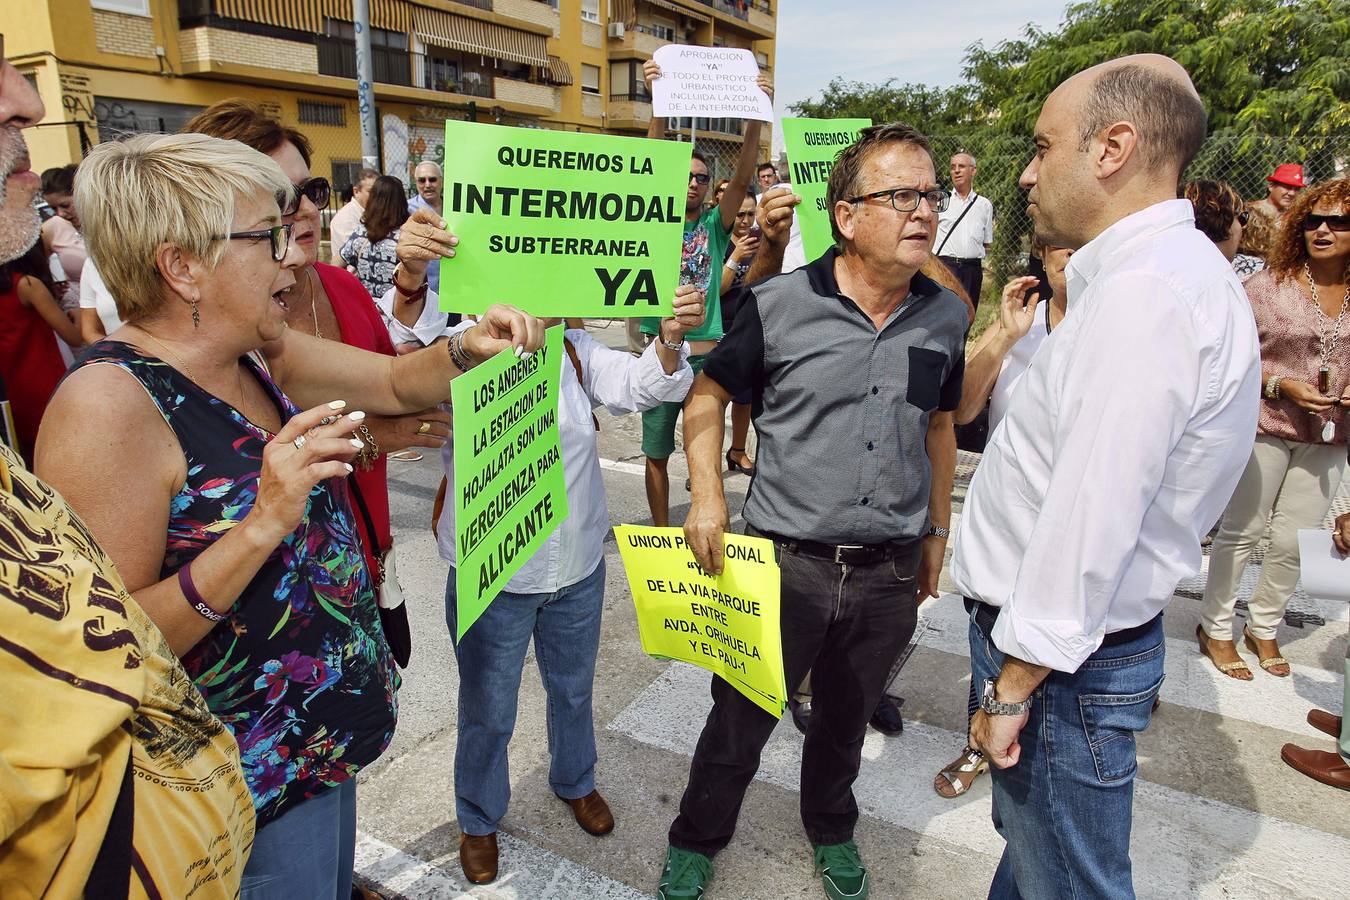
[{"x": 107, "y": 68}]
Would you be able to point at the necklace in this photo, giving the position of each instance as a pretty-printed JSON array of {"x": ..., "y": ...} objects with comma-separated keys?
[
  {"x": 238, "y": 372},
  {"x": 1328, "y": 343},
  {"x": 313, "y": 308}
]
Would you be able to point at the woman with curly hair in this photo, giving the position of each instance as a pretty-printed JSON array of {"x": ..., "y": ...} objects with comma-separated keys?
[
  {"x": 1301, "y": 302},
  {"x": 1218, "y": 213}
]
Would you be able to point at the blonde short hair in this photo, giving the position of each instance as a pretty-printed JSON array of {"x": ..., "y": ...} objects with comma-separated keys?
[{"x": 154, "y": 189}]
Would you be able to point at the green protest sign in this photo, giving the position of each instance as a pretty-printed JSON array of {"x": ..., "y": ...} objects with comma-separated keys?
[
  {"x": 509, "y": 488},
  {"x": 562, "y": 224},
  {"x": 812, "y": 147},
  {"x": 727, "y": 624}
]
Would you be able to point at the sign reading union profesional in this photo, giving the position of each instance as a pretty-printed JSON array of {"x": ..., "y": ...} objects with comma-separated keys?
[{"x": 562, "y": 224}]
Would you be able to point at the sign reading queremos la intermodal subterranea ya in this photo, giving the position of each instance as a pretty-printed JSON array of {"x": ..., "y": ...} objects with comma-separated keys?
[{"x": 562, "y": 224}]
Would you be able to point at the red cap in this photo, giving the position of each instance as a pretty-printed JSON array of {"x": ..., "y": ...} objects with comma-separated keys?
[{"x": 1289, "y": 174}]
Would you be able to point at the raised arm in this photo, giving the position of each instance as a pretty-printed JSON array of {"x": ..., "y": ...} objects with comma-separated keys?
[
  {"x": 745, "y": 166},
  {"x": 656, "y": 128},
  {"x": 986, "y": 360}
]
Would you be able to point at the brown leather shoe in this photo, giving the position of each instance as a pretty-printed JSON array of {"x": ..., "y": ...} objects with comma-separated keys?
[
  {"x": 1325, "y": 722},
  {"x": 478, "y": 857},
  {"x": 1319, "y": 765},
  {"x": 592, "y": 813}
]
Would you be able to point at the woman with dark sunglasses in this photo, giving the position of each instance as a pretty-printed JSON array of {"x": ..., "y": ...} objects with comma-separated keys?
[{"x": 1302, "y": 307}]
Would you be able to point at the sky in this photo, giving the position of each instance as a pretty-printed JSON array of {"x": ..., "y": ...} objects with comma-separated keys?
[{"x": 921, "y": 41}]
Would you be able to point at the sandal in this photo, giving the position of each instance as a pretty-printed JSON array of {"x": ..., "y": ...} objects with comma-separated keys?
[
  {"x": 1266, "y": 662},
  {"x": 958, "y": 775},
  {"x": 733, "y": 466},
  {"x": 1228, "y": 668}
]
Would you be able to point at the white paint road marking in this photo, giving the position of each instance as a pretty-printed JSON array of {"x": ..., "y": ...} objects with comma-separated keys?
[
  {"x": 528, "y": 873},
  {"x": 1185, "y": 845},
  {"x": 1192, "y": 681}
]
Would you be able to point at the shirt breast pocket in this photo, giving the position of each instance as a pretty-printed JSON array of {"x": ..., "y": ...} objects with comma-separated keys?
[{"x": 925, "y": 377}]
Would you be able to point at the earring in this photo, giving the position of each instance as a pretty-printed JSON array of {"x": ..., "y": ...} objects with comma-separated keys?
[{"x": 196, "y": 316}]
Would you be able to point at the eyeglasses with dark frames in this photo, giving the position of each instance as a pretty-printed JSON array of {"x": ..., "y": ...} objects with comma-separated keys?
[
  {"x": 1313, "y": 221},
  {"x": 279, "y": 235},
  {"x": 907, "y": 199},
  {"x": 428, "y": 179},
  {"x": 318, "y": 190}
]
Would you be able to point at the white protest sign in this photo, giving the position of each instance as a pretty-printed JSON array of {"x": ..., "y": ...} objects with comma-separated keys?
[
  {"x": 709, "y": 81},
  {"x": 1325, "y": 573}
]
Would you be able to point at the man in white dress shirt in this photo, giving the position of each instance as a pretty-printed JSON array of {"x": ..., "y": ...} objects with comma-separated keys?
[
  {"x": 1120, "y": 446},
  {"x": 965, "y": 228}
]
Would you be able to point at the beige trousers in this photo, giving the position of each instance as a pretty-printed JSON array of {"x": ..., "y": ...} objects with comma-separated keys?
[{"x": 1293, "y": 484}]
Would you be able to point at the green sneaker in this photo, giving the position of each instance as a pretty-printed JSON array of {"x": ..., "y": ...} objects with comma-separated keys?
[
  {"x": 685, "y": 876},
  {"x": 841, "y": 870}
]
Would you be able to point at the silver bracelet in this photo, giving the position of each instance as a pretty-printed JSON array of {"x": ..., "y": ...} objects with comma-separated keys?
[
  {"x": 677, "y": 345},
  {"x": 457, "y": 354}
]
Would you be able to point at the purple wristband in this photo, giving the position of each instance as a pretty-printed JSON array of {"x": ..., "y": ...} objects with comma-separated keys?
[{"x": 190, "y": 592}]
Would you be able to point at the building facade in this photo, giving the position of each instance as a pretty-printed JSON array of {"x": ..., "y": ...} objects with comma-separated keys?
[{"x": 109, "y": 68}]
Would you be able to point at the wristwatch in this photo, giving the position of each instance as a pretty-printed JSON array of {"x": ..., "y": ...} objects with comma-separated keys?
[
  {"x": 994, "y": 707},
  {"x": 939, "y": 531},
  {"x": 669, "y": 345}
]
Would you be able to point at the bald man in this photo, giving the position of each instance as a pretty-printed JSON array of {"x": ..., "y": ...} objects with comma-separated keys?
[
  {"x": 1120, "y": 447},
  {"x": 428, "y": 179},
  {"x": 965, "y": 228}
]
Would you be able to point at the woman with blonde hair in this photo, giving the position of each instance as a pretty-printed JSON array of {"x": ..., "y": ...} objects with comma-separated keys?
[
  {"x": 1301, "y": 301},
  {"x": 222, "y": 499}
]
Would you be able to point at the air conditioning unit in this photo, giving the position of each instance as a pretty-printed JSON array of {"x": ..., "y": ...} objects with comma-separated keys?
[{"x": 616, "y": 29}]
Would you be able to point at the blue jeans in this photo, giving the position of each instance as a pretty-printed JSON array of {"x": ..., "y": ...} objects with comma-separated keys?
[
  {"x": 308, "y": 852},
  {"x": 566, "y": 630},
  {"x": 1065, "y": 809}
]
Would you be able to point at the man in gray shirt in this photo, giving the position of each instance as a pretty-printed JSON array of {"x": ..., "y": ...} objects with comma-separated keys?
[{"x": 855, "y": 364}]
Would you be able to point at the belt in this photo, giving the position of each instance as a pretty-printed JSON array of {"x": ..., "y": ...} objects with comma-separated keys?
[
  {"x": 964, "y": 260},
  {"x": 986, "y": 614},
  {"x": 843, "y": 554}
]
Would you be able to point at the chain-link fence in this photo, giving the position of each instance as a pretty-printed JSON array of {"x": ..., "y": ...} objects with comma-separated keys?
[{"x": 1243, "y": 161}]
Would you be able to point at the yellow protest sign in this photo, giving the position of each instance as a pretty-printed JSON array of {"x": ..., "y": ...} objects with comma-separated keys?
[{"x": 727, "y": 624}]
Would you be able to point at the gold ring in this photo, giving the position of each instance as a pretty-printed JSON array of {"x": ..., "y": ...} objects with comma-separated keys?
[{"x": 424, "y": 428}]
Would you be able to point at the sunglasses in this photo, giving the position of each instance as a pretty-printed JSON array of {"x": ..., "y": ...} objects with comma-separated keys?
[
  {"x": 430, "y": 179},
  {"x": 700, "y": 177},
  {"x": 280, "y": 236},
  {"x": 1244, "y": 217},
  {"x": 316, "y": 189},
  {"x": 1313, "y": 221}
]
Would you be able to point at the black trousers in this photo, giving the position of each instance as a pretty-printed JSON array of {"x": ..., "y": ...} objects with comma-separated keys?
[
  {"x": 969, "y": 273},
  {"x": 844, "y": 625}
]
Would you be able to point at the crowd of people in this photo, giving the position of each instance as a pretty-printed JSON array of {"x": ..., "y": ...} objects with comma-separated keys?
[{"x": 203, "y": 629}]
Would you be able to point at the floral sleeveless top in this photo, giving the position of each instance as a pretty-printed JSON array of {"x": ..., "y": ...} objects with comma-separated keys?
[{"x": 298, "y": 669}]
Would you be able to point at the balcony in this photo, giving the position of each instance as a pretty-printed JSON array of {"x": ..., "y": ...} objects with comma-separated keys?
[
  {"x": 638, "y": 41},
  {"x": 543, "y": 97},
  {"x": 629, "y": 112},
  {"x": 476, "y": 4},
  {"x": 539, "y": 12},
  {"x": 206, "y": 49},
  {"x": 388, "y": 66}
]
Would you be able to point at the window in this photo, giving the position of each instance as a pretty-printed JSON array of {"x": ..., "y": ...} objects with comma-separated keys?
[
  {"x": 590, "y": 11},
  {"x": 131, "y": 7},
  {"x": 590, "y": 79},
  {"x": 626, "y": 82},
  {"x": 390, "y": 62},
  {"x": 316, "y": 112},
  {"x": 663, "y": 29}
]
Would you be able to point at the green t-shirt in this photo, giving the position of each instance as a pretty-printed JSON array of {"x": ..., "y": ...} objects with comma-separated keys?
[{"x": 705, "y": 249}]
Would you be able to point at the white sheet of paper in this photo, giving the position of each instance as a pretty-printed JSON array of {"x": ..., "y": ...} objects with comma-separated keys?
[
  {"x": 1325, "y": 573},
  {"x": 709, "y": 81}
]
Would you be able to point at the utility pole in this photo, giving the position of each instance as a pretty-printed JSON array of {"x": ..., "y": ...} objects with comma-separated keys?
[{"x": 365, "y": 94}]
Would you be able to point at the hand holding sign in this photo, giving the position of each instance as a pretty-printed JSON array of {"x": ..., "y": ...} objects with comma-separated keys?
[
  {"x": 689, "y": 313},
  {"x": 709, "y": 81},
  {"x": 503, "y": 328},
  {"x": 774, "y": 215},
  {"x": 422, "y": 240}
]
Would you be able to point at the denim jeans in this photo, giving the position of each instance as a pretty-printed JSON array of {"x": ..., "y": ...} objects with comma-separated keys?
[
  {"x": 843, "y": 624},
  {"x": 1065, "y": 809},
  {"x": 566, "y": 630},
  {"x": 308, "y": 852}
]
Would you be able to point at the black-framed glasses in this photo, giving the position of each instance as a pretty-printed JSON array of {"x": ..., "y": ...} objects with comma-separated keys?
[
  {"x": 1313, "y": 221},
  {"x": 279, "y": 235},
  {"x": 428, "y": 179},
  {"x": 907, "y": 199},
  {"x": 700, "y": 177},
  {"x": 1244, "y": 217},
  {"x": 318, "y": 190}
]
